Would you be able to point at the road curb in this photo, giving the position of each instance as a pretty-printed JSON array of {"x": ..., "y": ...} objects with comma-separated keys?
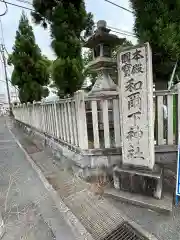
[{"x": 77, "y": 228}]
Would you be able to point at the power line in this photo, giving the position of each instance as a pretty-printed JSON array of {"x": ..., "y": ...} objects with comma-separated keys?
[
  {"x": 118, "y": 6},
  {"x": 2, "y": 37},
  {"x": 2, "y": 48},
  {"x": 122, "y": 33},
  {"x": 16, "y": 5},
  {"x": 6, "y": 10},
  {"x": 11, "y": 83},
  {"x": 30, "y": 9},
  {"x": 7, "y": 68},
  {"x": 8, "y": 74},
  {"x": 24, "y": 1},
  {"x": 6, "y": 78},
  {"x": 6, "y": 50},
  {"x": 121, "y": 30}
]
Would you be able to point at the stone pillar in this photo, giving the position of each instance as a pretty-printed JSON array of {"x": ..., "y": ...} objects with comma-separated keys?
[
  {"x": 2, "y": 227},
  {"x": 33, "y": 113},
  {"x": 138, "y": 172},
  {"x": 178, "y": 108},
  {"x": 81, "y": 119},
  {"x": 56, "y": 118},
  {"x": 136, "y": 106}
]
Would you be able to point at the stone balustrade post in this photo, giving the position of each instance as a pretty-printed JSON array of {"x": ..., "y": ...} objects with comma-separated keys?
[
  {"x": 56, "y": 118},
  {"x": 2, "y": 227},
  {"x": 178, "y": 110},
  {"x": 81, "y": 119}
]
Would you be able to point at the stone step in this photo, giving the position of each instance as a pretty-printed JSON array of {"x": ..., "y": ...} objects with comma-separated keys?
[{"x": 163, "y": 205}]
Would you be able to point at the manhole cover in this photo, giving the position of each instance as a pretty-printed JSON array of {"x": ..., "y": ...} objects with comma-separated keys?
[{"x": 125, "y": 232}]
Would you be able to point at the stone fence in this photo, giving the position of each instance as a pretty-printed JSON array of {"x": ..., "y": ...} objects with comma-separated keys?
[{"x": 92, "y": 124}]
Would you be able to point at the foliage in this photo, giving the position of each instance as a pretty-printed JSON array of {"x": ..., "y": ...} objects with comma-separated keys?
[
  {"x": 67, "y": 19},
  {"x": 30, "y": 72},
  {"x": 118, "y": 48},
  {"x": 91, "y": 75},
  {"x": 71, "y": 68},
  {"x": 158, "y": 22}
]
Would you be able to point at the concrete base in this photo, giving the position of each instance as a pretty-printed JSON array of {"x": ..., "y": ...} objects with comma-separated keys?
[
  {"x": 84, "y": 164},
  {"x": 141, "y": 181},
  {"x": 161, "y": 205}
]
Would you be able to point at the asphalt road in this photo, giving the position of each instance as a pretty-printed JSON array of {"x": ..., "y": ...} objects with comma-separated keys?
[{"x": 28, "y": 210}]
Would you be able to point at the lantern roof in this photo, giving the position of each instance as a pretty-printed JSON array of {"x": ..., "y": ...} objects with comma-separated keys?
[{"x": 103, "y": 36}]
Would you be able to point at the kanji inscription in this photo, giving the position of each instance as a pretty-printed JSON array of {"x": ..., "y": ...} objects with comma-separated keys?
[{"x": 136, "y": 106}]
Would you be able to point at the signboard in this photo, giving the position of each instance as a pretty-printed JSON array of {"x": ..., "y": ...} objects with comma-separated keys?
[{"x": 136, "y": 106}]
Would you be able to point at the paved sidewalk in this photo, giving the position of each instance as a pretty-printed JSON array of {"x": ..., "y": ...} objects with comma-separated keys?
[
  {"x": 99, "y": 217},
  {"x": 26, "y": 205},
  {"x": 89, "y": 209}
]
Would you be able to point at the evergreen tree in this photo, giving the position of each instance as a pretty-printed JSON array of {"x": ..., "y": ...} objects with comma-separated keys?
[
  {"x": 31, "y": 72},
  {"x": 158, "y": 22},
  {"x": 67, "y": 20}
]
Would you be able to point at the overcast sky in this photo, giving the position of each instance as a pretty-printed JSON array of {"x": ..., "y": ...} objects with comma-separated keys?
[{"x": 101, "y": 10}]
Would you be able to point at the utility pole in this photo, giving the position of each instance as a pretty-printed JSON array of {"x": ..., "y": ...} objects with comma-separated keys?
[{"x": 6, "y": 78}]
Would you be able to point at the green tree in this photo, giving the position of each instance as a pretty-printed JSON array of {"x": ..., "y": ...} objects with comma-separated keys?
[
  {"x": 118, "y": 48},
  {"x": 91, "y": 75},
  {"x": 31, "y": 68},
  {"x": 158, "y": 22},
  {"x": 67, "y": 19}
]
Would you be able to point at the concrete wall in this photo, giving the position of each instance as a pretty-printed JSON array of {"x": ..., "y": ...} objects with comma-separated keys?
[{"x": 87, "y": 162}]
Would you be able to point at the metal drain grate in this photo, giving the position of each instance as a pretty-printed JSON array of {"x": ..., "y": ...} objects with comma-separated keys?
[{"x": 125, "y": 232}]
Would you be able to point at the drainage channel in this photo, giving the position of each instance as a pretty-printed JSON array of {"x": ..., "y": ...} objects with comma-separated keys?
[{"x": 125, "y": 232}]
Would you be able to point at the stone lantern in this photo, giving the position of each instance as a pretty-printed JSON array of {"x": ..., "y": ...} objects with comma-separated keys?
[{"x": 102, "y": 43}]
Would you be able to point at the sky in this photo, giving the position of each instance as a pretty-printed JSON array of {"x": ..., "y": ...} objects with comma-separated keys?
[{"x": 114, "y": 16}]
